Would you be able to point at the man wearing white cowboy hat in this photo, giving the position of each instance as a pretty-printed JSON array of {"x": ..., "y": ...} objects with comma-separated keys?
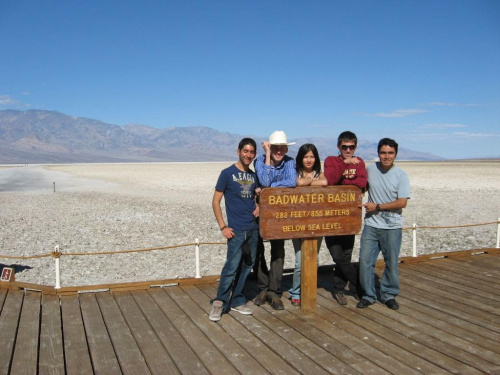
[{"x": 274, "y": 169}]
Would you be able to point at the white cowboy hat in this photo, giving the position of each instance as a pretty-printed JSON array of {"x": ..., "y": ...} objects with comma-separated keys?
[{"x": 279, "y": 138}]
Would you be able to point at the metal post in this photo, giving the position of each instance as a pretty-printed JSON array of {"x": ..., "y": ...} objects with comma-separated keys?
[
  {"x": 498, "y": 233},
  {"x": 414, "y": 230},
  {"x": 54, "y": 183},
  {"x": 197, "y": 255},
  {"x": 58, "y": 269}
]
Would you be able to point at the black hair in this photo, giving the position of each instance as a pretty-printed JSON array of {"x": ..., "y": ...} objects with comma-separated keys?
[
  {"x": 387, "y": 142},
  {"x": 303, "y": 150},
  {"x": 247, "y": 141},
  {"x": 347, "y": 136}
]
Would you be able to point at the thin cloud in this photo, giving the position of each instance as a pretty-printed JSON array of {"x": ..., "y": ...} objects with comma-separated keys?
[
  {"x": 440, "y": 104},
  {"x": 443, "y": 126},
  {"x": 475, "y": 135},
  {"x": 6, "y": 100},
  {"x": 398, "y": 113}
]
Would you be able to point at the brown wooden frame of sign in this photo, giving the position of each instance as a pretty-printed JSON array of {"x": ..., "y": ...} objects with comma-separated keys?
[{"x": 309, "y": 212}]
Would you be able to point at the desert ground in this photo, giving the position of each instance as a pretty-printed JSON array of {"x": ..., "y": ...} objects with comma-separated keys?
[{"x": 113, "y": 207}]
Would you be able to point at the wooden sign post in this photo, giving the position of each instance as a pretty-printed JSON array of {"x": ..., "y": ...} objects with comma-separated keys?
[{"x": 308, "y": 213}]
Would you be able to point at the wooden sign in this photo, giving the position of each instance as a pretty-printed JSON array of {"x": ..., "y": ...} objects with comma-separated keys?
[{"x": 309, "y": 211}]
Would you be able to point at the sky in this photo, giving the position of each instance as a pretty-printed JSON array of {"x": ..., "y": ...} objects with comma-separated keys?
[{"x": 425, "y": 73}]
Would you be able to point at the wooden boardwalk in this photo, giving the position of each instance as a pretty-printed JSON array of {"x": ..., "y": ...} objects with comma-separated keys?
[{"x": 448, "y": 322}]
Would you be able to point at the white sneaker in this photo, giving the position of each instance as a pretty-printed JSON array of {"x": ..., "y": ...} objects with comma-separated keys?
[
  {"x": 216, "y": 312},
  {"x": 243, "y": 309}
]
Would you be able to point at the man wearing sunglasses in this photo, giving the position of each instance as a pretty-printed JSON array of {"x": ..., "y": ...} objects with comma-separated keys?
[{"x": 344, "y": 169}]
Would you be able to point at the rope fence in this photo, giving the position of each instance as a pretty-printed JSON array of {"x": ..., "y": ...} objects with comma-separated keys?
[{"x": 56, "y": 254}]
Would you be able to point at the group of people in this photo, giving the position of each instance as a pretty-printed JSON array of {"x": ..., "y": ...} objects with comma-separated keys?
[{"x": 388, "y": 191}]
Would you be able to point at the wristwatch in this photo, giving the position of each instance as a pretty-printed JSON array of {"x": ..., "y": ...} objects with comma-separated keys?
[{"x": 378, "y": 207}]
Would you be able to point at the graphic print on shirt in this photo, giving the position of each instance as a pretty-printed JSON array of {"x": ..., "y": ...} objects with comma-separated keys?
[
  {"x": 245, "y": 180},
  {"x": 349, "y": 173}
]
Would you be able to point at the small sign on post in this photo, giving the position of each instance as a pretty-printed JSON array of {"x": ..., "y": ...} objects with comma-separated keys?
[
  {"x": 309, "y": 212},
  {"x": 8, "y": 274}
]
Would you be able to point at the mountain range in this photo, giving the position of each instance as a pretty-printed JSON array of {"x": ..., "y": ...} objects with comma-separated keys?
[{"x": 39, "y": 136}]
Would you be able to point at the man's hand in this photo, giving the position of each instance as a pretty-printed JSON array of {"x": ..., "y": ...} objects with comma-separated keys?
[
  {"x": 256, "y": 211},
  {"x": 266, "y": 146},
  {"x": 370, "y": 207},
  {"x": 353, "y": 160},
  {"x": 228, "y": 233}
]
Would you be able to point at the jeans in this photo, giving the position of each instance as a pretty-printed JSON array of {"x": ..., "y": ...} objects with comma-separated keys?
[
  {"x": 297, "y": 246},
  {"x": 270, "y": 279},
  {"x": 239, "y": 262},
  {"x": 374, "y": 241},
  {"x": 340, "y": 248}
]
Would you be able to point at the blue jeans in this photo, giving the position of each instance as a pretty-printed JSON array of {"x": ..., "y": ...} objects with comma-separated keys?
[
  {"x": 374, "y": 241},
  {"x": 297, "y": 246},
  {"x": 239, "y": 263}
]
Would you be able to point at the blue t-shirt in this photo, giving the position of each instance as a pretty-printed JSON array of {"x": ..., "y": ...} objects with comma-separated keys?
[
  {"x": 239, "y": 196},
  {"x": 384, "y": 187}
]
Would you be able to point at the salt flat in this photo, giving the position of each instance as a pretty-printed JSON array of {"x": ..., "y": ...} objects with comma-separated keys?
[{"x": 111, "y": 207}]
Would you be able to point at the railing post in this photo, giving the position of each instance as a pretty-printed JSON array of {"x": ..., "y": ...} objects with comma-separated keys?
[
  {"x": 197, "y": 255},
  {"x": 414, "y": 231},
  {"x": 58, "y": 268},
  {"x": 498, "y": 233}
]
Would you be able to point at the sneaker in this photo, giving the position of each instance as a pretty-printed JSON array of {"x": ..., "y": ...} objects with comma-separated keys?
[
  {"x": 340, "y": 297},
  {"x": 277, "y": 304},
  {"x": 242, "y": 309},
  {"x": 392, "y": 304},
  {"x": 261, "y": 298},
  {"x": 295, "y": 301},
  {"x": 216, "y": 312},
  {"x": 364, "y": 303}
]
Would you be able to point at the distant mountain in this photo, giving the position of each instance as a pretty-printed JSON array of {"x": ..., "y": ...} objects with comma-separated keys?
[{"x": 36, "y": 136}]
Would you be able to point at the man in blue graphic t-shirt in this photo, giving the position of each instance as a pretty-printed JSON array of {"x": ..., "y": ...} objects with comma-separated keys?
[{"x": 237, "y": 185}]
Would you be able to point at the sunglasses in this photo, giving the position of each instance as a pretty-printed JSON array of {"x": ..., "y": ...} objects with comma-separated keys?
[{"x": 348, "y": 147}]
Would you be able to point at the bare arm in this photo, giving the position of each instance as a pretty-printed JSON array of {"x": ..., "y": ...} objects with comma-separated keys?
[
  {"x": 397, "y": 204},
  {"x": 217, "y": 198},
  {"x": 320, "y": 181}
]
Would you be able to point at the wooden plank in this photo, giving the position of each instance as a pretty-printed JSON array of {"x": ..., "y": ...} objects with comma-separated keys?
[
  {"x": 480, "y": 336},
  {"x": 102, "y": 354},
  {"x": 232, "y": 324},
  {"x": 228, "y": 346},
  {"x": 486, "y": 263},
  {"x": 76, "y": 350},
  {"x": 371, "y": 354},
  {"x": 126, "y": 349},
  {"x": 463, "y": 286},
  {"x": 3, "y": 294},
  {"x": 447, "y": 255},
  {"x": 450, "y": 276},
  {"x": 211, "y": 356},
  {"x": 138, "y": 285},
  {"x": 471, "y": 275},
  {"x": 183, "y": 356},
  {"x": 309, "y": 275},
  {"x": 361, "y": 318},
  {"x": 335, "y": 349},
  {"x": 26, "y": 348},
  {"x": 300, "y": 352},
  {"x": 450, "y": 345},
  {"x": 448, "y": 306},
  {"x": 9, "y": 320},
  {"x": 51, "y": 357},
  {"x": 157, "y": 358},
  {"x": 462, "y": 302}
]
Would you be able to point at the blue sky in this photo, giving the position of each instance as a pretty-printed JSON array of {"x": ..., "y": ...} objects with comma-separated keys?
[{"x": 426, "y": 73}]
